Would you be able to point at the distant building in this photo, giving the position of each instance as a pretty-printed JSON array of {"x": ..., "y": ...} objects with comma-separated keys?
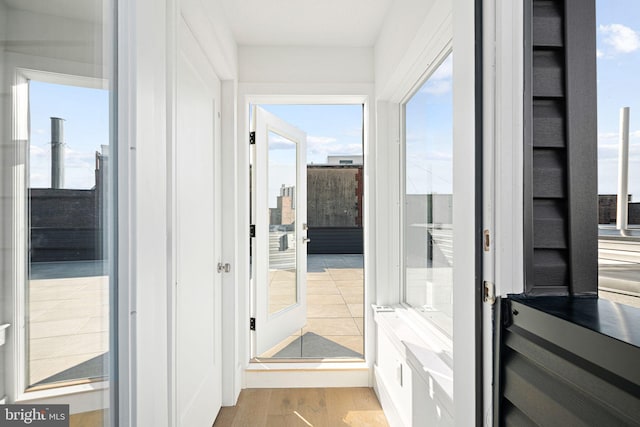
[
  {"x": 334, "y": 195},
  {"x": 284, "y": 213},
  {"x": 68, "y": 224},
  {"x": 608, "y": 208},
  {"x": 345, "y": 160}
]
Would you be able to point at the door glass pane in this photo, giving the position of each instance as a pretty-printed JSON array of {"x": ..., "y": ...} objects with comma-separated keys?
[
  {"x": 283, "y": 290},
  {"x": 428, "y": 199}
]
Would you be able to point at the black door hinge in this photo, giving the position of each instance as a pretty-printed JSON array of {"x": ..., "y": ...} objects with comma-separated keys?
[
  {"x": 252, "y": 138},
  {"x": 252, "y": 323},
  {"x": 252, "y": 230}
]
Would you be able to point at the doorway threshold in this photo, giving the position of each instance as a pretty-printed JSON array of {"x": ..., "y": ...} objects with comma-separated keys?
[{"x": 316, "y": 373}]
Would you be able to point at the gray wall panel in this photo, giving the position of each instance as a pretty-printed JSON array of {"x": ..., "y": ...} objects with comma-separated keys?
[{"x": 569, "y": 369}]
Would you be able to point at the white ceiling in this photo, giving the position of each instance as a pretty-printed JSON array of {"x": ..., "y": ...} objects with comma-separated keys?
[{"x": 353, "y": 23}]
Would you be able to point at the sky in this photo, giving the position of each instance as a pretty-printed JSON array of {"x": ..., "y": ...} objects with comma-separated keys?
[
  {"x": 86, "y": 128},
  {"x": 337, "y": 129},
  {"x": 330, "y": 129},
  {"x": 618, "y": 51},
  {"x": 429, "y": 134}
]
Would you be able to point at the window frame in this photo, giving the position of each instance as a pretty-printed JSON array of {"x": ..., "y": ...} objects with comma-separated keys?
[
  {"x": 424, "y": 323},
  {"x": 93, "y": 390}
]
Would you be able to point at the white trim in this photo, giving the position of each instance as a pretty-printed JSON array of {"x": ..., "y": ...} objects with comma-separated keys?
[
  {"x": 125, "y": 193},
  {"x": 257, "y": 93},
  {"x": 464, "y": 189},
  {"x": 20, "y": 136},
  {"x": 19, "y": 342},
  {"x": 503, "y": 91},
  {"x": 304, "y": 375},
  {"x": 508, "y": 101},
  {"x": 231, "y": 371},
  {"x": 387, "y": 204},
  {"x": 175, "y": 24},
  {"x": 80, "y": 398}
]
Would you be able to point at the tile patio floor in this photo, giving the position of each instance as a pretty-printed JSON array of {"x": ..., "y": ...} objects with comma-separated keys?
[
  {"x": 68, "y": 321},
  {"x": 335, "y": 303}
]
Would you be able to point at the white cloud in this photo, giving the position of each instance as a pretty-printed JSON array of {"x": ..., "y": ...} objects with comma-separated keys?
[
  {"x": 437, "y": 87},
  {"x": 320, "y": 140},
  {"x": 599, "y": 53},
  {"x": 620, "y": 38},
  {"x": 319, "y": 147},
  {"x": 36, "y": 151}
]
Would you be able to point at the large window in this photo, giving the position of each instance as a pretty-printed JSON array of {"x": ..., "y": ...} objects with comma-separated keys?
[
  {"x": 57, "y": 200},
  {"x": 618, "y": 60},
  {"x": 428, "y": 198}
]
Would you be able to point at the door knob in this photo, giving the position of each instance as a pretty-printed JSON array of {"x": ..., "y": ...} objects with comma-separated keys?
[{"x": 306, "y": 240}]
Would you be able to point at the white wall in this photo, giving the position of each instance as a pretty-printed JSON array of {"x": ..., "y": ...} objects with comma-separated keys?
[
  {"x": 56, "y": 37},
  {"x": 325, "y": 65},
  {"x": 206, "y": 19}
]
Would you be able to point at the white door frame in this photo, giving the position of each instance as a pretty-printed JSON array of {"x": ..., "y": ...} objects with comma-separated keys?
[{"x": 330, "y": 374}]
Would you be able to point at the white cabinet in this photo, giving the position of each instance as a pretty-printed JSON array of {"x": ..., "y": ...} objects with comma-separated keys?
[{"x": 414, "y": 380}]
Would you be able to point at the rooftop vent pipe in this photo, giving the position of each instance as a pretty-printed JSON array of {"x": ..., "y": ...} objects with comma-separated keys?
[{"x": 57, "y": 152}]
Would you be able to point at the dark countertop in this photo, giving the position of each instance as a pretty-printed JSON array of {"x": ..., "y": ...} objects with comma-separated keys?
[{"x": 618, "y": 321}]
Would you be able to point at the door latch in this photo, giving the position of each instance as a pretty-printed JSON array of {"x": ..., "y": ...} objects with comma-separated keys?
[
  {"x": 224, "y": 268},
  {"x": 489, "y": 293}
]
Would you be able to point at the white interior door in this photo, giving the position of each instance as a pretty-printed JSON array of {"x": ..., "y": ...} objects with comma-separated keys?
[
  {"x": 280, "y": 215},
  {"x": 198, "y": 289}
]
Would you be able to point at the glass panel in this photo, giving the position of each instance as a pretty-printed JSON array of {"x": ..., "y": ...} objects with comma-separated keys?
[
  {"x": 68, "y": 285},
  {"x": 57, "y": 145},
  {"x": 428, "y": 199},
  {"x": 283, "y": 290},
  {"x": 618, "y": 61}
]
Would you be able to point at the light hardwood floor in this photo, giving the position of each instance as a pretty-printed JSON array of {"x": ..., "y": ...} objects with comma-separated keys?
[
  {"x": 89, "y": 419},
  {"x": 317, "y": 407}
]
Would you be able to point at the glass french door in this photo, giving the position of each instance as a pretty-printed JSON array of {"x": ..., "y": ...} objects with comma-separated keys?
[{"x": 279, "y": 183}]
